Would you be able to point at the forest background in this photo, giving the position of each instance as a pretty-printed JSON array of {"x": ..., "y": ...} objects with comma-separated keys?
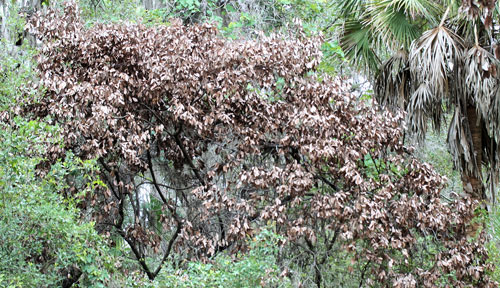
[{"x": 283, "y": 144}]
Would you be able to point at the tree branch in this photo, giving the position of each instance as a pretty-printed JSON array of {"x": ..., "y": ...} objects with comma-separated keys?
[
  {"x": 187, "y": 157},
  {"x": 138, "y": 255},
  {"x": 155, "y": 183},
  {"x": 169, "y": 248}
]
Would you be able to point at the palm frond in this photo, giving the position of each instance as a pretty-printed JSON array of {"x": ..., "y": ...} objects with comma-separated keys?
[
  {"x": 492, "y": 144},
  {"x": 357, "y": 44},
  {"x": 423, "y": 105},
  {"x": 434, "y": 57},
  {"x": 494, "y": 116},
  {"x": 460, "y": 142},
  {"x": 482, "y": 83},
  {"x": 392, "y": 26},
  {"x": 392, "y": 83},
  {"x": 350, "y": 7},
  {"x": 418, "y": 8}
]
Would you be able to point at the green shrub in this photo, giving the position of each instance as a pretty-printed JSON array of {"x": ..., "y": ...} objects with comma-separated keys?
[
  {"x": 494, "y": 244},
  {"x": 41, "y": 234},
  {"x": 256, "y": 268}
]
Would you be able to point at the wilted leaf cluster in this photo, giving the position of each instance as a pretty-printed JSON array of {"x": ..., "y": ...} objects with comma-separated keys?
[{"x": 227, "y": 135}]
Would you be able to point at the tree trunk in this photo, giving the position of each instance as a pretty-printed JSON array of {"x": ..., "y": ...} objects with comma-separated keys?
[
  {"x": 4, "y": 33},
  {"x": 472, "y": 180}
]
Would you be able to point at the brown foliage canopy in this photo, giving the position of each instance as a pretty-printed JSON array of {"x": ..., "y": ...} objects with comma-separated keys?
[{"x": 241, "y": 134}]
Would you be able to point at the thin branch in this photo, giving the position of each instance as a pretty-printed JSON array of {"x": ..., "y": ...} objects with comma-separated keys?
[
  {"x": 295, "y": 155},
  {"x": 166, "y": 186},
  {"x": 187, "y": 157},
  {"x": 138, "y": 255},
  {"x": 155, "y": 183},
  {"x": 120, "y": 206},
  {"x": 363, "y": 274},
  {"x": 174, "y": 214},
  {"x": 330, "y": 245},
  {"x": 169, "y": 248},
  {"x": 111, "y": 186}
]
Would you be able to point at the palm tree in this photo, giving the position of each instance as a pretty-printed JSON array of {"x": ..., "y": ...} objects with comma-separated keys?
[{"x": 440, "y": 58}]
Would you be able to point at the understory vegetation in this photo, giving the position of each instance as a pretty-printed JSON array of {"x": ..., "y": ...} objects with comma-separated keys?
[{"x": 229, "y": 143}]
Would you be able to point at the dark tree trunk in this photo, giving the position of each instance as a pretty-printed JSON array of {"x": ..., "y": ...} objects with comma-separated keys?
[{"x": 472, "y": 180}]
